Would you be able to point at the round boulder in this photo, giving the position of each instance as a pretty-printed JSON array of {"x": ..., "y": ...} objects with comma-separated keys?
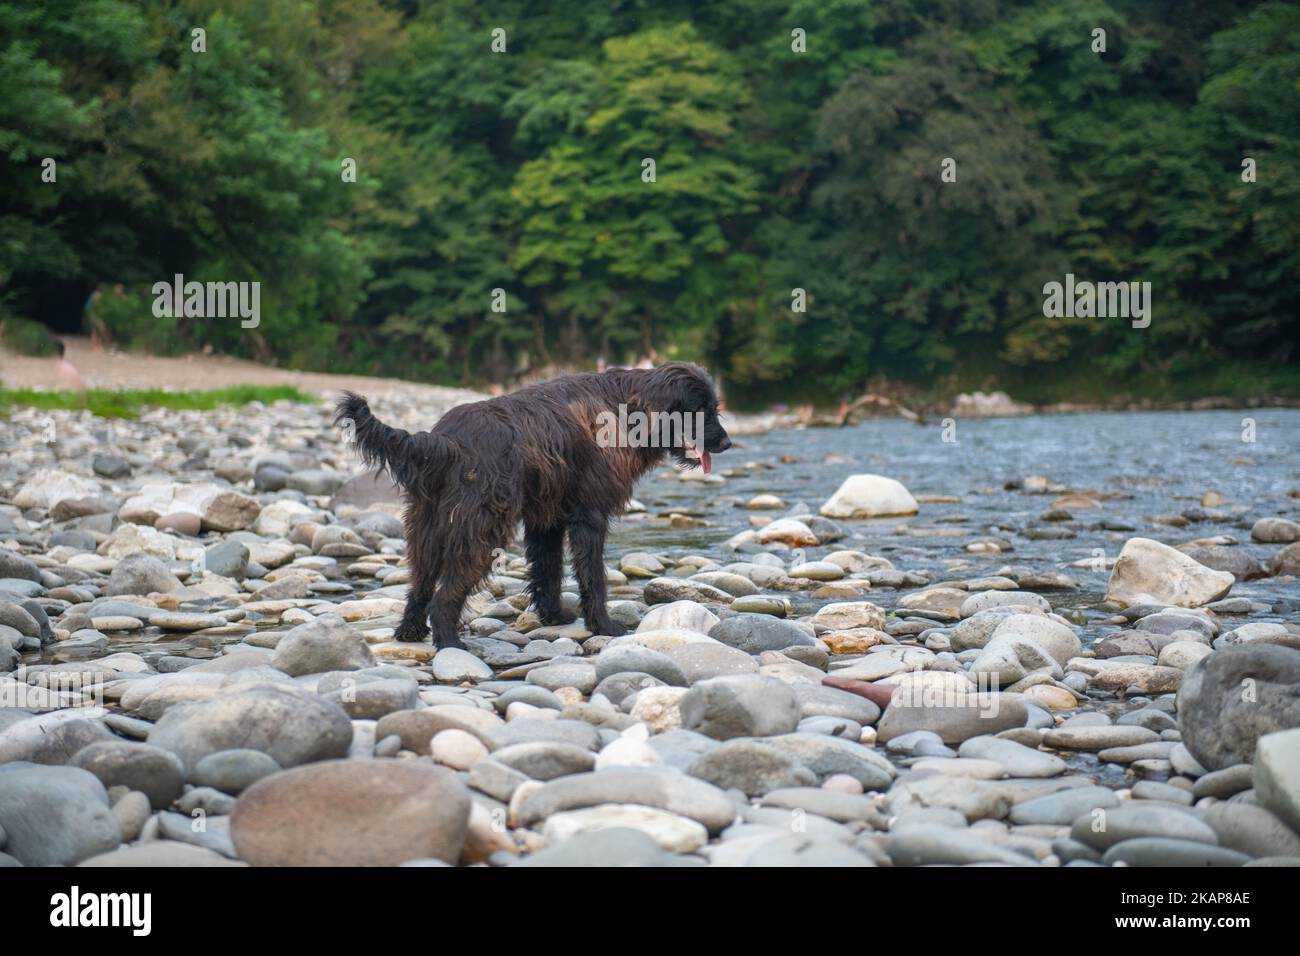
[
  {"x": 755, "y": 633},
  {"x": 352, "y": 813},
  {"x": 1233, "y": 697},
  {"x": 325, "y": 644},
  {"x": 155, "y": 772},
  {"x": 291, "y": 726},
  {"x": 55, "y": 816},
  {"x": 744, "y": 705}
]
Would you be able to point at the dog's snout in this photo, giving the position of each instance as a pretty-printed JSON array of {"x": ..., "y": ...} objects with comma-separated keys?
[{"x": 724, "y": 443}]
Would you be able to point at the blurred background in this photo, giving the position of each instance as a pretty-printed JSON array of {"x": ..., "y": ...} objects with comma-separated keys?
[{"x": 797, "y": 145}]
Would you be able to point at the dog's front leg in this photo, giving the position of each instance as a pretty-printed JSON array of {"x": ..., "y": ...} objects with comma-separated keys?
[{"x": 587, "y": 539}]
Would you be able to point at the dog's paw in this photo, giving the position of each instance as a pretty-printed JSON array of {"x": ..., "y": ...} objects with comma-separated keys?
[
  {"x": 411, "y": 636},
  {"x": 447, "y": 637},
  {"x": 609, "y": 629},
  {"x": 452, "y": 641},
  {"x": 557, "y": 618}
]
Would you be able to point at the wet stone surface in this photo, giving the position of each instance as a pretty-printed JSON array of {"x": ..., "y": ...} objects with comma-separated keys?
[{"x": 1023, "y": 648}]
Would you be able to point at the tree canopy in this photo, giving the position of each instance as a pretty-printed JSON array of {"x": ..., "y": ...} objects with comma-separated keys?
[{"x": 805, "y": 195}]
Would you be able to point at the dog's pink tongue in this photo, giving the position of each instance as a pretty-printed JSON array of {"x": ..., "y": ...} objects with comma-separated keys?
[{"x": 706, "y": 461}]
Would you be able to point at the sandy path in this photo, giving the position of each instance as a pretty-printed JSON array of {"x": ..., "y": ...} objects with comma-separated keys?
[{"x": 119, "y": 370}]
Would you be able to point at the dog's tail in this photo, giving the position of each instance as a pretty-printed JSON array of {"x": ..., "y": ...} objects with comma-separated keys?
[{"x": 413, "y": 461}]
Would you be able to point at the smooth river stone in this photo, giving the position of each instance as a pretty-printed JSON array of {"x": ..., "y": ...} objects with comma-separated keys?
[
  {"x": 1143, "y": 818},
  {"x": 352, "y": 813},
  {"x": 1098, "y": 738},
  {"x": 925, "y": 845},
  {"x": 1063, "y": 808},
  {"x": 1162, "y": 851},
  {"x": 672, "y": 831},
  {"x": 184, "y": 621},
  {"x": 970, "y": 715},
  {"x": 1019, "y": 760},
  {"x": 657, "y": 787},
  {"x": 292, "y": 726}
]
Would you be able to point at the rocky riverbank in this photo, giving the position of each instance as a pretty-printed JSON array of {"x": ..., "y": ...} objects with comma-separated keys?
[{"x": 197, "y": 668}]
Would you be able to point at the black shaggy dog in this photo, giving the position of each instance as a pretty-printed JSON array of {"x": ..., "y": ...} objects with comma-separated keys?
[{"x": 542, "y": 455}]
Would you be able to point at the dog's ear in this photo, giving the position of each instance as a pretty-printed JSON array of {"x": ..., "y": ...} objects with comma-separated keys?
[{"x": 676, "y": 386}]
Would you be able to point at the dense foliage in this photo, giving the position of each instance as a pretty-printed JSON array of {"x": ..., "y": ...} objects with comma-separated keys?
[{"x": 504, "y": 218}]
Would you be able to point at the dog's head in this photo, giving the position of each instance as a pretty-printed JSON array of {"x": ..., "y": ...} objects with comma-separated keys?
[{"x": 686, "y": 392}]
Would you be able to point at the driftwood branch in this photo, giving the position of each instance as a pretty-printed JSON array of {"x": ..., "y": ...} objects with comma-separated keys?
[{"x": 880, "y": 402}]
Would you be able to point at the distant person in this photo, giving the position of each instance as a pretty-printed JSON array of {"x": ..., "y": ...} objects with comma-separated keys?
[
  {"x": 68, "y": 373},
  {"x": 94, "y": 325}
]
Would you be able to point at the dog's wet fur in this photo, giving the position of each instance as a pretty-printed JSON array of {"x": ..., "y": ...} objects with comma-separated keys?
[{"x": 532, "y": 456}]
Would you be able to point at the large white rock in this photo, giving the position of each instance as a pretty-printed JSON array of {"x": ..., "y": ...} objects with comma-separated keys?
[
  {"x": 1006, "y": 660},
  {"x": 47, "y": 487},
  {"x": 130, "y": 538},
  {"x": 150, "y": 503},
  {"x": 1277, "y": 774},
  {"x": 1024, "y": 644},
  {"x": 689, "y": 615},
  {"x": 869, "y": 496},
  {"x": 1057, "y": 639},
  {"x": 991, "y": 405},
  {"x": 674, "y": 833},
  {"x": 451, "y": 665},
  {"x": 278, "y": 517},
  {"x": 220, "y": 509},
  {"x": 630, "y": 749},
  {"x": 844, "y": 615},
  {"x": 664, "y": 639},
  {"x": 984, "y": 600},
  {"x": 1148, "y": 572},
  {"x": 787, "y": 530}
]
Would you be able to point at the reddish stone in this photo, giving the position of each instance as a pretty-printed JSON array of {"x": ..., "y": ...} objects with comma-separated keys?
[
  {"x": 878, "y": 694},
  {"x": 182, "y": 522}
]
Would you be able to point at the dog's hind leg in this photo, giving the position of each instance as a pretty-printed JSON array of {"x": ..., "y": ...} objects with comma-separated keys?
[
  {"x": 460, "y": 576},
  {"x": 415, "y": 619},
  {"x": 545, "y": 548},
  {"x": 423, "y": 560},
  {"x": 587, "y": 540}
]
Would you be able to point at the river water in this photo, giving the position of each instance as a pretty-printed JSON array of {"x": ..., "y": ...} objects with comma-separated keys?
[{"x": 1143, "y": 469}]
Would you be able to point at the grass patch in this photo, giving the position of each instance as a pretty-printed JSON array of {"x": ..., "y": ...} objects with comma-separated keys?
[{"x": 128, "y": 403}]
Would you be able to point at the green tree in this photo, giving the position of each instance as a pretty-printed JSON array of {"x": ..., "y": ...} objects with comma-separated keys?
[{"x": 632, "y": 261}]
